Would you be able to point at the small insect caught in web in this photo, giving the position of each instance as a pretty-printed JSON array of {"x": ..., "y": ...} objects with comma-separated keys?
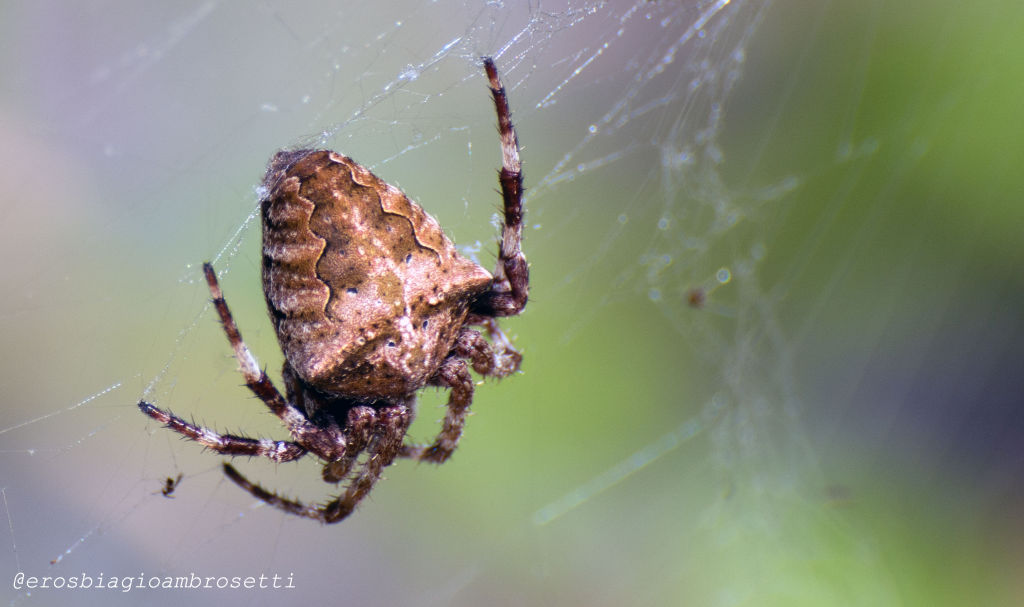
[{"x": 170, "y": 484}]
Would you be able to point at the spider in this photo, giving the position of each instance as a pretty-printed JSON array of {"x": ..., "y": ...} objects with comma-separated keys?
[{"x": 370, "y": 302}]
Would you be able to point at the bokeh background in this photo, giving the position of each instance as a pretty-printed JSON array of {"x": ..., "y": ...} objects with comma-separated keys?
[{"x": 773, "y": 350}]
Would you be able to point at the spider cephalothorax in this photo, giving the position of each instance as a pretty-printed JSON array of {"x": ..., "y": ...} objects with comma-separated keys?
[{"x": 370, "y": 302}]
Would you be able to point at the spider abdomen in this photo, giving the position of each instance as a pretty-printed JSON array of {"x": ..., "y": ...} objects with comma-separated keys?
[{"x": 364, "y": 288}]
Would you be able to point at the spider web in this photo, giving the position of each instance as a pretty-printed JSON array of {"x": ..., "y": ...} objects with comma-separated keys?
[{"x": 770, "y": 355}]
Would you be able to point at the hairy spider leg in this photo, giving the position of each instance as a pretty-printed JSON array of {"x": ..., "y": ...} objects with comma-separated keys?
[
  {"x": 504, "y": 358},
  {"x": 358, "y": 431},
  {"x": 227, "y": 444},
  {"x": 328, "y": 443},
  {"x": 389, "y": 427},
  {"x": 307, "y": 436},
  {"x": 507, "y": 297},
  {"x": 392, "y": 424},
  {"x": 454, "y": 375},
  {"x": 255, "y": 378},
  {"x": 512, "y": 275}
]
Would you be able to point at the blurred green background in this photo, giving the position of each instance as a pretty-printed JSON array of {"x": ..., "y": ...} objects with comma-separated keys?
[{"x": 839, "y": 423}]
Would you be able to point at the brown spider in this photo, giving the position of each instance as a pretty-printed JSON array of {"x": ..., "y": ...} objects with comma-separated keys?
[{"x": 370, "y": 302}]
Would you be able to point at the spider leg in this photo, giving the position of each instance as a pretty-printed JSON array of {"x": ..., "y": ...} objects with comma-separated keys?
[
  {"x": 452, "y": 374},
  {"x": 384, "y": 447},
  {"x": 512, "y": 276},
  {"x": 361, "y": 421},
  {"x": 497, "y": 359},
  {"x": 228, "y": 444},
  {"x": 385, "y": 441},
  {"x": 288, "y": 505},
  {"x": 257, "y": 381},
  {"x": 308, "y": 437}
]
